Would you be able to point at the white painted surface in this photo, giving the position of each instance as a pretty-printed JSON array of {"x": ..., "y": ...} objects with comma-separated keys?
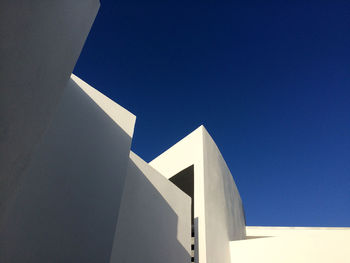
[
  {"x": 223, "y": 206},
  {"x": 67, "y": 206},
  {"x": 154, "y": 223},
  {"x": 186, "y": 152},
  {"x": 113, "y": 110},
  {"x": 40, "y": 42},
  {"x": 292, "y": 244},
  {"x": 218, "y": 209}
]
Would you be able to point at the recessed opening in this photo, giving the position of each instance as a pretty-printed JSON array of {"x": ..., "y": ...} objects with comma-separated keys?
[{"x": 185, "y": 181}]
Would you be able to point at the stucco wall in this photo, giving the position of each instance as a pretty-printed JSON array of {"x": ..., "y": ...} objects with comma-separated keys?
[
  {"x": 154, "y": 222},
  {"x": 67, "y": 206},
  {"x": 292, "y": 244},
  {"x": 40, "y": 42}
]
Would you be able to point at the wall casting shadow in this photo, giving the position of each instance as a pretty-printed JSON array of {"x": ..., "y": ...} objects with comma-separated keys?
[
  {"x": 67, "y": 206},
  {"x": 40, "y": 42},
  {"x": 147, "y": 227}
]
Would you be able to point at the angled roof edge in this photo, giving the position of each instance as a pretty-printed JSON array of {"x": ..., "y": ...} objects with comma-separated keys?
[
  {"x": 156, "y": 178},
  {"x": 185, "y": 140},
  {"x": 124, "y": 118},
  {"x": 184, "y": 153},
  {"x": 201, "y": 132}
]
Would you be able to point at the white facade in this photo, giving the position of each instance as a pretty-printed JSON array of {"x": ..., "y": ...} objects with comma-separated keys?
[
  {"x": 218, "y": 212},
  {"x": 72, "y": 191}
]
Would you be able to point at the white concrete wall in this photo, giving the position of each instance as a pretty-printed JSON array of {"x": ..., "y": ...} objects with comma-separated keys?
[
  {"x": 154, "y": 223},
  {"x": 224, "y": 213},
  {"x": 218, "y": 211},
  {"x": 292, "y": 244},
  {"x": 187, "y": 152},
  {"x": 40, "y": 42},
  {"x": 66, "y": 208}
]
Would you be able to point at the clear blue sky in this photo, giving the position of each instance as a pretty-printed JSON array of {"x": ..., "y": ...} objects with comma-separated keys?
[{"x": 270, "y": 80}]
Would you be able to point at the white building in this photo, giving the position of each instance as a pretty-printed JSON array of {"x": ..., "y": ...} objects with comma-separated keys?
[{"x": 72, "y": 191}]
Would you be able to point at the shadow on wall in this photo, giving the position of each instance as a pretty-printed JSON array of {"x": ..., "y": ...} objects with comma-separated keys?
[
  {"x": 67, "y": 206},
  {"x": 147, "y": 227},
  {"x": 39, "y": 44}
]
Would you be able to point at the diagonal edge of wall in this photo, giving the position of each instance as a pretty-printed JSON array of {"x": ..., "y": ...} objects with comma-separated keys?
[
  {"x": 124, "y": 118},
  {"x": 187, "y": 152},
  {"x": 154, "y": 222},
  {"x": 67, "y": 206},
  {"x": 40, "y": 42},
  {"x": 218, "y": 205}
]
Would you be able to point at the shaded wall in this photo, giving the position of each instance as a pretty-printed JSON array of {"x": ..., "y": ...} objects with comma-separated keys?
[
  {"x": 224, "y": 213},
  {"x": 154, "y": 224},
  {"x": 40, "y": 42},
  {"x": 67, "y": 206}
]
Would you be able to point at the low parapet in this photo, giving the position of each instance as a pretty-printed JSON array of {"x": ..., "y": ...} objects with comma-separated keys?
[{"x": 292, "y": 244}]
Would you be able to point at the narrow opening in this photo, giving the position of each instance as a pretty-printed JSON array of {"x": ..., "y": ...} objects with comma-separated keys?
[{"x": 185, "y": 181}]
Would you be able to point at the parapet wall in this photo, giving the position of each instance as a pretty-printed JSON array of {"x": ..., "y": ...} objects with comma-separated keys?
[{"x": 292, "y": 244}]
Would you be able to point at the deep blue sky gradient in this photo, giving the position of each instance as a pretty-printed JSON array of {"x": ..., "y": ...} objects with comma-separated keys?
[{"x": 270, "y": 80}]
